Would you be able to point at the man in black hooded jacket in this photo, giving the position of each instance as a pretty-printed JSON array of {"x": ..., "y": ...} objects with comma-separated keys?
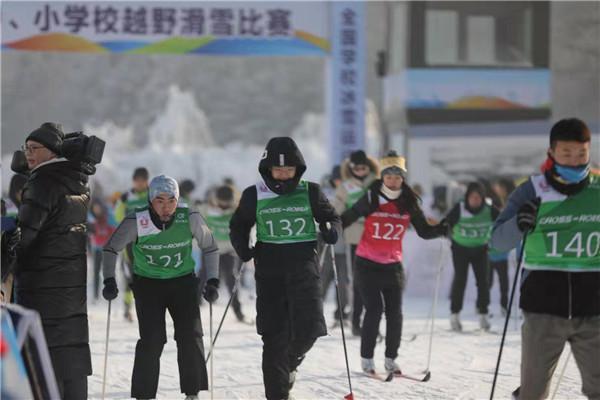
[
  {"x": 288, "y": 304},
  {"x": 51, "y": 270}
]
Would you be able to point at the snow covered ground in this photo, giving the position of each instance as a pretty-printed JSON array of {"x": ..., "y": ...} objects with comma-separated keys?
[{"x": 462, "y": 365}]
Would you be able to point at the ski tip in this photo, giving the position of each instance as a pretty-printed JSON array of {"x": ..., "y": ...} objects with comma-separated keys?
[
  {"x": 349, "y": 396},
  {"x": 427, "y": 376},
  {"x": 390, "y": 377}
]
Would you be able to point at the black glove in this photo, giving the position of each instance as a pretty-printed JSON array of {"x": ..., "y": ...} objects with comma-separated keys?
[
  {"x": 248, "y": 254},
  {"x": 527, "y": 215},
  {"x": 444, "y": 228},
  {"x": 211, "y": 290},
  {"x": 329, "y": 234},
  {"x": 110, "y": 290}
]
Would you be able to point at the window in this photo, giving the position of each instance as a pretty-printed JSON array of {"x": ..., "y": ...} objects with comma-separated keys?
[{"x": 479, "y": 34}]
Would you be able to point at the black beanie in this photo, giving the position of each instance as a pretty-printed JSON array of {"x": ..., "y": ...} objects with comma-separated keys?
[
  {"x": 224, "y": 193},
  {"x": 50, "y": 134},
  {"x": 141, "y": 173},
  {"x": 358, "y": 157}
]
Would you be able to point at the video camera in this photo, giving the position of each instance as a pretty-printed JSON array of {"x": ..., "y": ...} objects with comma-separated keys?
[{"x": 76, "y": 147}]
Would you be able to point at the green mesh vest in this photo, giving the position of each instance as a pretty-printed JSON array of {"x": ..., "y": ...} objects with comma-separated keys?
[
  {"x": 135, "y": 201},
  {"x": 284, "y": 218},
  {"x": 163, "y": 254},
  {"x": 473, "y": 230},
  {"x": 218, "y": 223},
  {"x": 354, "y": 192},
  {"x": 567, "y": 232}
]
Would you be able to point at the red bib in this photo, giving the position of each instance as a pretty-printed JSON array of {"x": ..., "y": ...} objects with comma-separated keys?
[{"x": 381, "y": 240}]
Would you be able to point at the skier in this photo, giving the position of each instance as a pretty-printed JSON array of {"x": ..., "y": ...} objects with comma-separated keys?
[
  {"x": 390, "y": 206},
  {"x": 161, "y": 236},
  {"x": 471, "y": 221},
  {"x": 100, "y": 228},
  {"x": 288, "y": 303},
  {"x": 557, "y": 214},
  {"x": 358, "y": 172},
  {"x": 217, "y": 212},
  {"x": 136, "y": 197}
]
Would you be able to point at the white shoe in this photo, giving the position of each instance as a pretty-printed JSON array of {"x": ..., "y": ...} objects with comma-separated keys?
[
  {"x": 391, "y": 366},
  {"x": 484, "y": 324},
  {"x": 367, "y": 364},
  {"x": 455, "y": 324}
]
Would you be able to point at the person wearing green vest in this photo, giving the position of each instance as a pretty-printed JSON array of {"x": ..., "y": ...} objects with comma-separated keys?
[
  {"x": 358, "y": 171},
  {"x": 161, "y": 235},
  {"x": 289, "y": 308},
  {"x": 471, "y": 221},
  {"x": 217, "y": 213},
  {"x": 136, "y": 197},
  {"x": 557, "y": 215}
]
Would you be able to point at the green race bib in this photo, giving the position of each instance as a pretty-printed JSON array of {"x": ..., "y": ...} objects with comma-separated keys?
[
  {"x": 473, "y": 230},
  {"x": 136, "y": 201},
  {"x": 284, "y": 219},
  {"x": 567, "y": 232},
  {"x": 218, "y": 223},
  {"x": 163, "y": 254}
]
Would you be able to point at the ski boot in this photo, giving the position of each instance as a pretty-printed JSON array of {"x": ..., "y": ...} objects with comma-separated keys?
[
  {"x": 191, "y": 397},
  {"x": 484, "y": 324},
  {"x": 455, "y": 324},
  {"x": 391, "y": 366},
  {"x": 367, "y": 365}
]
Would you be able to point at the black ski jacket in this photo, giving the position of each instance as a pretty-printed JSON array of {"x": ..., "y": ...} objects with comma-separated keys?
[
  {"x": 287, "y": 275},
  {"x": 51, "y": 272}
]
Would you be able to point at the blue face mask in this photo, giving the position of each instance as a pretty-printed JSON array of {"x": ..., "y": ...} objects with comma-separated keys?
[{"x": 572, "y": 174}]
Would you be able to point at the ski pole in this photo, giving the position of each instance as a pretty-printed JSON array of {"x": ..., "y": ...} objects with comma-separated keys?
[
  {"x": 322, "y": 259},
  {"x": 233, "y": 293},
  {"x": 349, "y": 396},
  {"x": 562, "y": 372},
  {"x": 106, "y": 349},
  {"x": 210, "y": 310},
  {"x": 507, "y": 318},
  {"x": 433, "y": 308}
]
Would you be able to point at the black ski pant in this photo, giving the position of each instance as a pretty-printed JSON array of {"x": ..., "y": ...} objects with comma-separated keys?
[
  {"x": 280, "y": 356},
  {"x": 73, "y": 388},
  {"x": 327, "y": 278},
  {"x": 180, "y": 297},
  {"x": 477, "y": 257},
  {"x": 381, "y": 287},
  {"x": 229, "y": 267},
  {"x": 357, "y": 300},
  {"x": 501, "y": 268}
]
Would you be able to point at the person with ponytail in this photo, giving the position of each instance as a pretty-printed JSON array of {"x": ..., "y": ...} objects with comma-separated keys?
[
  {"x": 556, "y": 214},
  {"x": 389, "y": 206}
]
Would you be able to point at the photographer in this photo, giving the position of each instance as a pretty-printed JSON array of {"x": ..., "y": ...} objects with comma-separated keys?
[{"x": 50, "y": 276}]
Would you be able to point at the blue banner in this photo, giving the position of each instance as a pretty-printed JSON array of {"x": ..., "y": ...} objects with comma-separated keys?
[{"x": 346, "y": 76}]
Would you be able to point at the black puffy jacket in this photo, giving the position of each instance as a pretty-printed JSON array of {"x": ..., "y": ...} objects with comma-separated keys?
[{"x": 51, "y": 272}]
